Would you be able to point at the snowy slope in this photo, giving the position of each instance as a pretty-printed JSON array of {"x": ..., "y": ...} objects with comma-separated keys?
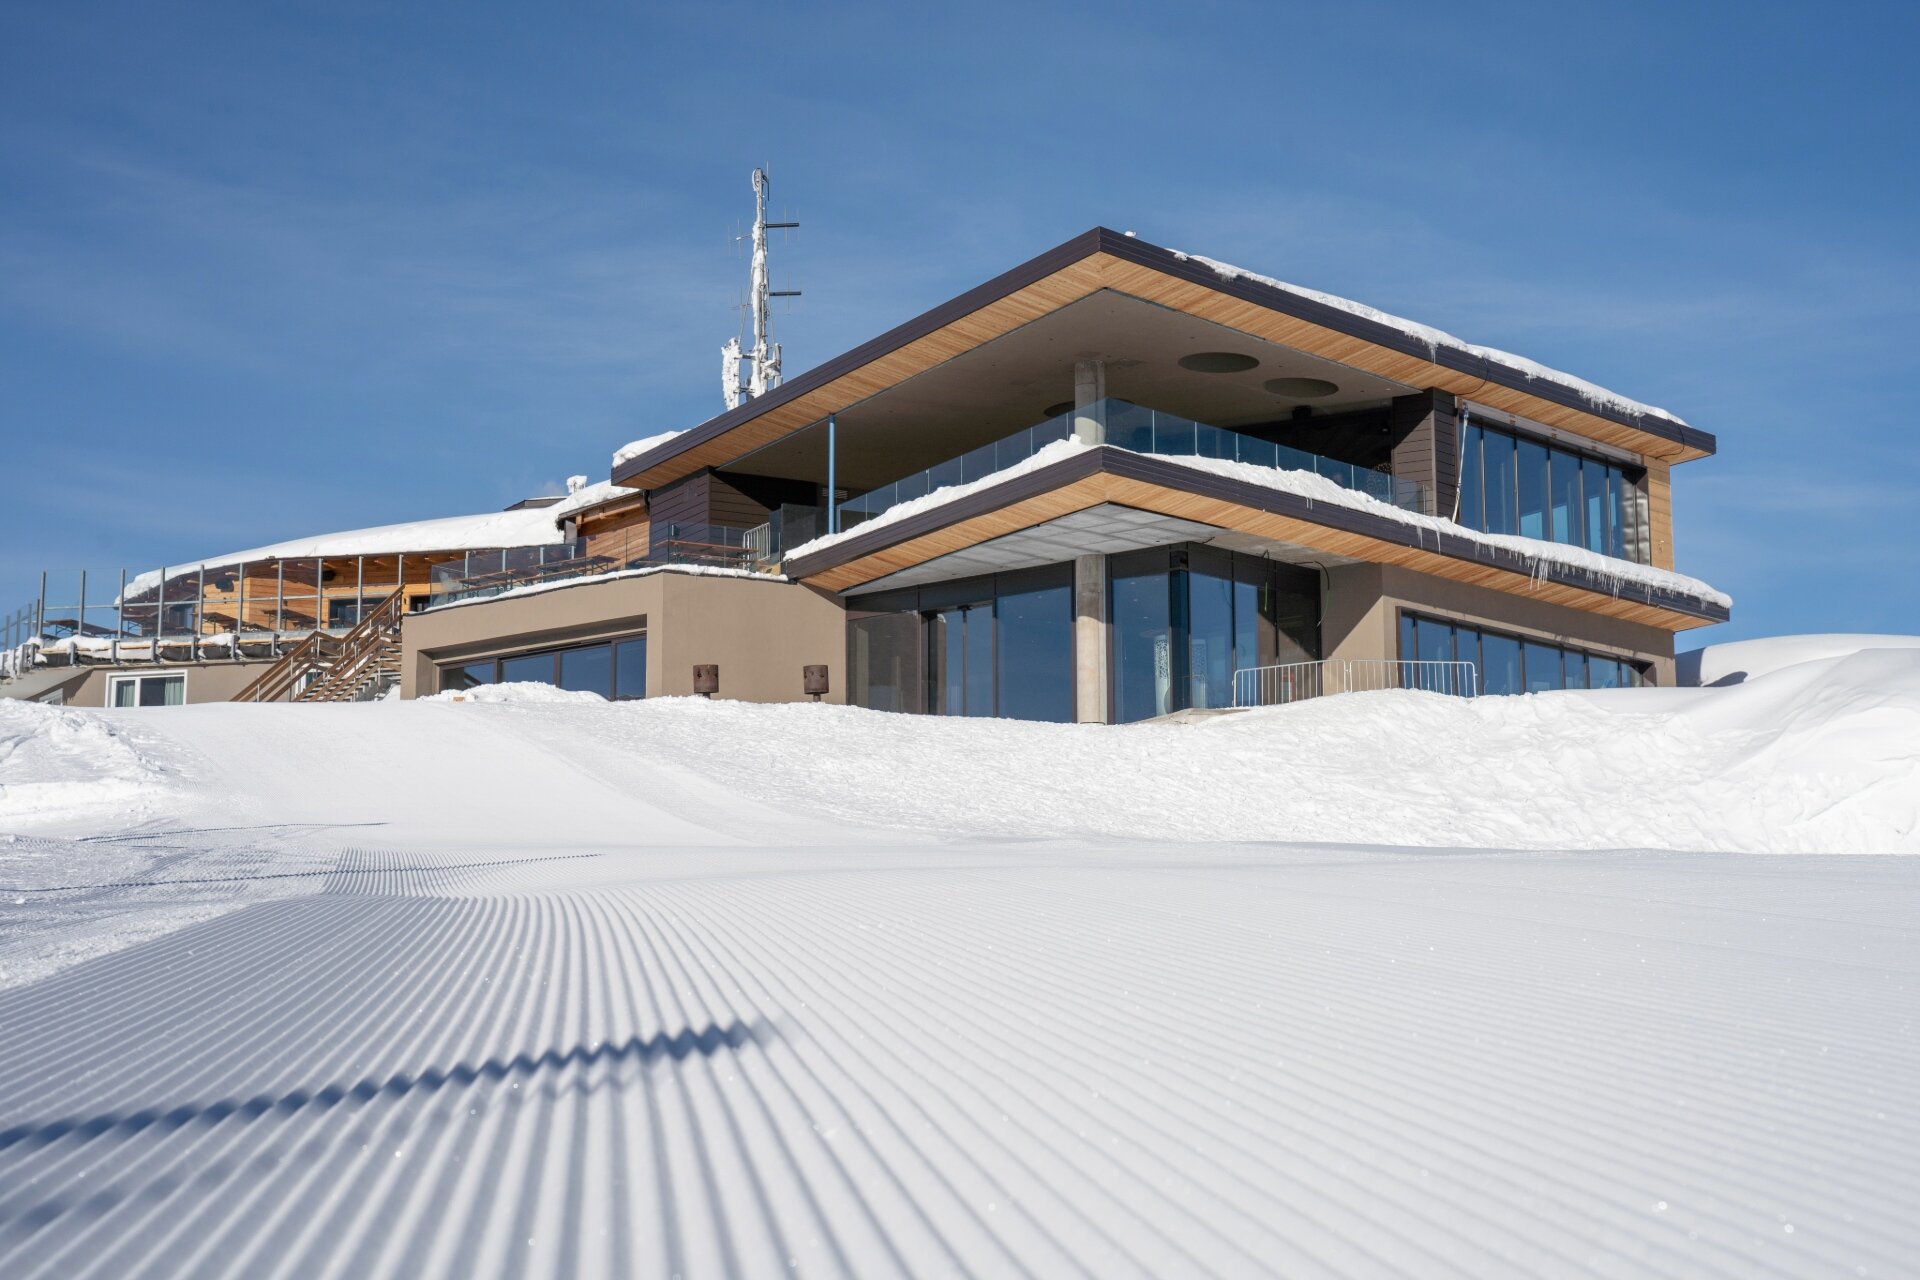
[
  {"x": 536, "y": 985},
  {"x": 1821, "y": 757}
]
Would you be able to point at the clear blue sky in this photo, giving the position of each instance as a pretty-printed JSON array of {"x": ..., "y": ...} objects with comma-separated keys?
[{"x": 269, "y": 270}]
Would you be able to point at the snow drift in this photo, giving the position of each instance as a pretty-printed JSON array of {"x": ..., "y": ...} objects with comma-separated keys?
[{"x": 1819, "y": 757}]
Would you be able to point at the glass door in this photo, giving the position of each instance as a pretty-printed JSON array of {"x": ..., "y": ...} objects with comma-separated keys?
[{"x": 960, "y": 659}]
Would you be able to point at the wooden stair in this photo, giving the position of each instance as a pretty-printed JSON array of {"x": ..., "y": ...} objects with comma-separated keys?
[{"x": 324, "y": 668}]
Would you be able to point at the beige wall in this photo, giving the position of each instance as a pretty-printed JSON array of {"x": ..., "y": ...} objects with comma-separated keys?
[
  {"x": 206, "y": 681},
  {"x": 1363, "y": 603},
  {"x": 759, "y": 631}
]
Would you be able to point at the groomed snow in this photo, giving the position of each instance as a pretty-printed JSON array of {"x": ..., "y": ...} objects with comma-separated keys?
[
  {"x": 1608, "y": 570},
  {"x": 1434, "y": 339},
  {"x": 537, "y": 984}
]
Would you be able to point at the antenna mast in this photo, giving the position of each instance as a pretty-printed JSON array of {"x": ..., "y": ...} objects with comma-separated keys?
[{"x": 763, "y": 361}]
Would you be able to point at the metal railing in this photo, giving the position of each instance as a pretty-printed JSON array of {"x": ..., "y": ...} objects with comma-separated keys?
[{"x": 1288, "y": 682}]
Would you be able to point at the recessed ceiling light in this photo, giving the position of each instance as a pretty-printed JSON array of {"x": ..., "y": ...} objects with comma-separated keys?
[
  {"x": 1218, "y": 362},
  {"x": 1055, "y": 410},
  {"x": 1302, "y": 388}
]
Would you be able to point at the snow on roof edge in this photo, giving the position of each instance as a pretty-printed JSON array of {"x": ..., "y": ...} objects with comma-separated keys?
[
  {"x": 1315, "y": 488},
  {"x": 1434, "y": 339}
]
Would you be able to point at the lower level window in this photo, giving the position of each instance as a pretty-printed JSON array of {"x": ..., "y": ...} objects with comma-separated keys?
[
  {"x": 1508, "y": 663},
  {"x": 163, "y": 689},
  {"x": 614, "y": 669}
]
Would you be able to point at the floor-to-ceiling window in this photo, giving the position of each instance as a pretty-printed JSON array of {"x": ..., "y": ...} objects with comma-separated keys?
[
  {"x": 1509, "y": 663},
  {"x": 1186, "y": 618},
  {"x": 615, "y": 669},
  {"x": 999, "y": 645},
  {"x": 1512, "y": 484}
]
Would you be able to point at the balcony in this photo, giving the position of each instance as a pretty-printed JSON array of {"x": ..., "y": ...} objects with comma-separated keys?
[{"x": 1129, "y": 426}]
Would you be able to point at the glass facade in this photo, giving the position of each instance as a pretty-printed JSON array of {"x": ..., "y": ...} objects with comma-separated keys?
[
  {"x": 1513, "y": 664},
  {"x": 1185, "y": 618},
  {"x": 1513, "y": 484},
  {"x": 998, "y": 645},
  {"x": 614, "y": 669}
]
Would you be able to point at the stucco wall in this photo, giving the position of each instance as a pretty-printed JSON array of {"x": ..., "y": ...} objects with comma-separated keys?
[
  {"x": 1363, "y": 603},
  {"x": 206, "y": 681},
  {"x": 759, "y": 631}
]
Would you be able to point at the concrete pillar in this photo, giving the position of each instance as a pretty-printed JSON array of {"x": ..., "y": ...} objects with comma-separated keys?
[
  {"x": 1090, "y": 639},
  {"x": 1090, "y": 401}
]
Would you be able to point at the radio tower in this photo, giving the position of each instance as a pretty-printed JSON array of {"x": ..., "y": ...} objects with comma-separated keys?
[{"x": 763, "y": 361}]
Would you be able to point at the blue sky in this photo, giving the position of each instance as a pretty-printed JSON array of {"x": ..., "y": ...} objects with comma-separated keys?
[{"x": 273, "y": 270}]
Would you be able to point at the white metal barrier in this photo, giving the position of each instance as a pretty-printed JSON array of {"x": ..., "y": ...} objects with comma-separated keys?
[{"x": 1276, "y": 686}]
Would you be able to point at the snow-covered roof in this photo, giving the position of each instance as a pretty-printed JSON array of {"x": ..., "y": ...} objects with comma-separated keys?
[
  {"x": 527, "y": 527},
  {"x": 634, "y": 448},
  {"x": 1316, "y": 488},
  {"x": 1437, "y": 339}
]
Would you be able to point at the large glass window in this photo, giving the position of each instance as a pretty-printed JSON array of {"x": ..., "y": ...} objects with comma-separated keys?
[
  {"x": 1502, "y": 511},
  {"x": 1210, "y": 628},
  {"x": 630, "y": 668},
  {"x": 612, "y": 669},
  {"x": 1507, "y": 663},
  {"x": 1569, "y": 523},
  {"x": 1142, "y": 613},
  {"x": 1035, "y": 660},
  {"x": 1511, "y": 484},
  {"x": 997, "y": 645}
]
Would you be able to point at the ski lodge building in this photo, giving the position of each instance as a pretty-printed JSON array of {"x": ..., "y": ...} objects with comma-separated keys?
[{"x": 1114, "y": 483}]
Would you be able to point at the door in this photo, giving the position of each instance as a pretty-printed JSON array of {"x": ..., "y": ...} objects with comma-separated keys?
[{"x": 960, "y": 659}]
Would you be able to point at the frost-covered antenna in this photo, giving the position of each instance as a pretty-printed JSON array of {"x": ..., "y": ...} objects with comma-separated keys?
[{"x": 763, "y": 361}]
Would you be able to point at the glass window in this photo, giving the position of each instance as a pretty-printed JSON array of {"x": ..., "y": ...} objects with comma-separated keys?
[
  {"x": 1499, "y": 664},
  {"x": 1543, "y": 667},
  {"x": 530, "y": 668},
  {"x": 630, "y": 668},
  {"x": 168, "y": 690},
  {"x": 1620, "y": 502},
  {"x": 1593, "y": 493},
  {"x": 1210, "y": 630},
  {"x": 588, "y": 669},
  {"x": 1574, "y": 668},
  {"x": 1564, "y": 477},
  {"x": 1502, "y": 514},
  {"x": 1473, "y": 512},
  {"x": 1603, "y": 673},
  {"x": 466, "y": 676},
  {"x": 1035, "y": 665},
  {"x": 1531, "y": 474},
  {"x": 886, "y": 660},
  {"x": 1142, "y": 641}
]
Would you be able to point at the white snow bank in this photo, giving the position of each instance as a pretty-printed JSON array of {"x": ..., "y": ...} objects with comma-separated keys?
[
  {"x": 1744, "y": 659},
  {"x": 1434, "y": 339},
  {"x": 61, "y": 764},
  {"x": 634, "y": 448},
  {"x": 1820, "y": 757},
  {"x": 519, "y": 693},
  {"x": 1317, "y": 488}
]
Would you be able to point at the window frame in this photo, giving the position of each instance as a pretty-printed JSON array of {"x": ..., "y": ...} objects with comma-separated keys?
[
  {"x": 497, "y": 661},
  {"x": 134, "y": 678},
  {"x": 1635, "y": 672}
]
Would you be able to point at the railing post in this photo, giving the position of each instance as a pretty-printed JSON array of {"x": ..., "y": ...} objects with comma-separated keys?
[
  {"x": 833, "y": 486},
  {"x": 80, "y": 624},
  {"x": 119, "y": 620}
]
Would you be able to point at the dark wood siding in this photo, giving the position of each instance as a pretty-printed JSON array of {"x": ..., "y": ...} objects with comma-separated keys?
[{"x": 1426, "y": 446}]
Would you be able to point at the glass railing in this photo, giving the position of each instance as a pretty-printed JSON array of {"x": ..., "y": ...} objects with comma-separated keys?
[
  {"x": 1143, "y": 430},
  {"x": 492, "y": 573}
]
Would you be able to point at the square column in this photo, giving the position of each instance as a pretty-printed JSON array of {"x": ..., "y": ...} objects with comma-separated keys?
[
  {"x": 1090, "y": 401},
  {"x": 1090, "y": 640}
]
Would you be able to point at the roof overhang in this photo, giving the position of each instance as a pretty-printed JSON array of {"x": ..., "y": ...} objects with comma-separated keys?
[
  {"x": 1093, "y": 477},
  {"x": 1104, "y": 259}
]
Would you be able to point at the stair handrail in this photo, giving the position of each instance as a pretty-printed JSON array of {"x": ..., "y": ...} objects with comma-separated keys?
[
  {"x": 279, "y": 680},
  {"x": 357, "y": 648}
]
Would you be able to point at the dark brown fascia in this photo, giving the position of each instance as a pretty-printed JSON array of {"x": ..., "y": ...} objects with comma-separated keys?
[
  {"x": 1140, "y": 252},
  {"x": 1171, "y": 475}
]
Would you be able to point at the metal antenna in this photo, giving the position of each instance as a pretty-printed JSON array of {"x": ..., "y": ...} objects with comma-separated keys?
[{"x": 763, "y": 361}]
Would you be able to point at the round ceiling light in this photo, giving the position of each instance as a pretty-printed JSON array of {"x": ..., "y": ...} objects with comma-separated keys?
[
  {"x": 1302, "y": 388},
  {"x": 1218, "y": 362},
  {"x": 1055, "y": 410}
]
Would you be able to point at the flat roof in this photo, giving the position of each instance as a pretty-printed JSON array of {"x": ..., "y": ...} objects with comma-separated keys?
[{"x": 1332, "y": 328}]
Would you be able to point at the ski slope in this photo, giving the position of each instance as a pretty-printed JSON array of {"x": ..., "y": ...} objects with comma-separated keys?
[{"x": 541, "y": 986}]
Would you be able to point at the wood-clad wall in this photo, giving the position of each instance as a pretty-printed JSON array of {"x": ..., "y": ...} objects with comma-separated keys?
[
  {"x": 1426, "y": 446},
  {"x": 1660, "y": 512}
]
